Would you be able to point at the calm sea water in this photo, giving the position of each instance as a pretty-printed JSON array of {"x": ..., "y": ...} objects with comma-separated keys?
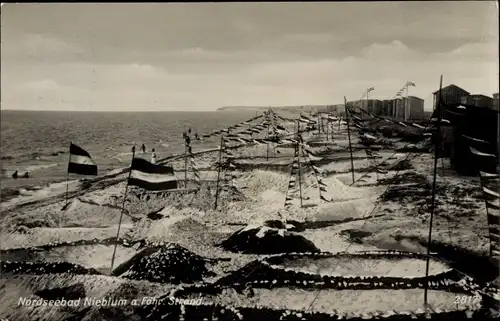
[{"x": 38, "y": 142}]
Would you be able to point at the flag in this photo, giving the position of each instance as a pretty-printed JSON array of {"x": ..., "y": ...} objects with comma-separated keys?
[
  {"x": 370, "y": 89},
  {"x": 80, "y": 161},
  {"x": 150, "y": 176},
  {"x": 409, "y": 83}
]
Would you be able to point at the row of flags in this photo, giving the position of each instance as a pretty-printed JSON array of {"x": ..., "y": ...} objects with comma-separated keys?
[
  {"x": 366, "y": 138},
  {"x": 292, "y": 188},
  {"x": 360, "y": 123},
  {"x": 234, "y": 127},
  {"x": 490, "y": 183},
  {"x": 318, "y": 174},
  {"x": 405, "y": 87},
  {"x": 151, "y": 177},
  {"x": 143, "y": 174},
  {"x": 192, "y": 163}
]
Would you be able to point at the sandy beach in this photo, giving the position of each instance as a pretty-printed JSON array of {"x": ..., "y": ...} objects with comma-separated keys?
[{"x": 378, "y": 212}]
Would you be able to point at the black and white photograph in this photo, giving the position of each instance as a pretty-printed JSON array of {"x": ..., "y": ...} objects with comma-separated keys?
[{"x": 250, "y": 161}]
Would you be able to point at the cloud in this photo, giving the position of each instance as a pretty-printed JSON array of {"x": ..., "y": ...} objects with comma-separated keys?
[
  {"x": 38, "y": 47},
  {"x": 41, "y": 85},
  {"x": 394, "y": 50},
  {"x": 201, "y": 79}
]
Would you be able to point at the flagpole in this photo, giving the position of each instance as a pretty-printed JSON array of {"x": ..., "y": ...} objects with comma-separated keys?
[
  {"x": 327, "y": 128},
  {"x": 67, "y": 176},
  {"x": 267, "y": 143},
  {"x": 407, "y": 104},
  {"x": 218, "y": 171},
  {"x": 433, "y": 204},
  {"x": 298, "y": 160},
  {"x": 185, "y": 163},
  {"x": 349, "y": 137},
  {"x": 367, "y": 91},
  {"x": 121, "y": 212}
]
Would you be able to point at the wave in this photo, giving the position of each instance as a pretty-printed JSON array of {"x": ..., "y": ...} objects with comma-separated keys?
[
  {"x": 34, "y": 155},
  {"x": 34, "y": 168},
  {"x": 7, "y": 173}
]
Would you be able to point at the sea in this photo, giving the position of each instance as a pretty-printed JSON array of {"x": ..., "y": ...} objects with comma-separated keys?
[{"x": 38, "y": 141}]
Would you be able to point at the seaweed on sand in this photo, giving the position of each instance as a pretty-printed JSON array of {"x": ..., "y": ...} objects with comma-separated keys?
[
  {"x": 43, "y": 268},
  {"x": 267, "y": 240},
  {"x": 355, "y": 235},
  {"x": 410, "y": 186},
  {"x": 165, "y": 264}
]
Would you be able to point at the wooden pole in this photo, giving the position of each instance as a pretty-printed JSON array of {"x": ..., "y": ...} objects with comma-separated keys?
[
  {"x": 218, "y": 171},
  {"x": 267, "y": 144},
  {"x": 121, "y": 213},
  {"x": 433, "y": 204},
  {"x": 67, "y": 177},
  {"x": 327, "y": 128},
  {"x": 185, "y": 164},
  {"x": 299, "y": 141},
  {"x": 349, "y": 137},
  {"x": 407, "y": 104}
]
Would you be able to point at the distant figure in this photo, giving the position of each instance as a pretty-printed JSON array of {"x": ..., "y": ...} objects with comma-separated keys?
[
  {"x": 15, "y": 175},
  {"x": 188, "y": 140},
  {"x": 143, "y": 148},
  {"x": 153, "y": 156},
  {"x": 26, "y": 175},
  {"x": 189, "y": 131},
  {"x": 196, "y": 136}
]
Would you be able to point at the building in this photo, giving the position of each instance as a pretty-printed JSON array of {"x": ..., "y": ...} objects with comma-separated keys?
[
  {"x": 495, "y": 107},
  {"x": 414, "y": 107},
  {"x": 391, "y": 107},
  {"x": 398, "y": 111},
  {"x": 477, "y": 100},
  {"x": 452, "y": 95},
  {"x": 373, "y": 106},
  {"x": 388, "y": 107}
]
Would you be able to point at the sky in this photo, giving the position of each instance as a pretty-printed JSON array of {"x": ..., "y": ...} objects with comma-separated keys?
[{"x": 202, "y": 56}]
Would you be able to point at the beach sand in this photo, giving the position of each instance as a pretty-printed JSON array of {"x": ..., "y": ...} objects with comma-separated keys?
[{"x": 356, "y": 219}]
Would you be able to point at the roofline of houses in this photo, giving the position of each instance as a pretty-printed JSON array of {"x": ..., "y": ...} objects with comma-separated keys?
[{"x": 452, "y": 85}]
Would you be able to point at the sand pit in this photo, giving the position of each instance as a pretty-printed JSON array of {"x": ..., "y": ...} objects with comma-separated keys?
[
  {"x": 164, "y": 264},
  {"x": 360, "y": 266},
  {"x": 343, "y": 301},
  {"x": 267, "y": 240}
]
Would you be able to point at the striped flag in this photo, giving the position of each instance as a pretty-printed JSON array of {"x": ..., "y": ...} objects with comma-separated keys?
[
  {"x": 150, "y": 176},
  {"x": 409, "y": 83},
  {"x": 371, "y": 89},
  {"x": 80, "y": 161},
  {"x": 490, "y": 183}
]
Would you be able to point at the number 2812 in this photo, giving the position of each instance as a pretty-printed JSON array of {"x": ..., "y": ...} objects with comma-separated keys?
[{"x": 462, "y": 299}]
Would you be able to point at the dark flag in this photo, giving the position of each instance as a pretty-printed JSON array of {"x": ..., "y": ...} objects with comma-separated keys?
[
  {"x": 150, "y": 176},
  {"x": 80, "y": 161}
]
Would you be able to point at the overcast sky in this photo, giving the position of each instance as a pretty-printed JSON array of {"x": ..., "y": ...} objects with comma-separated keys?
[{"x": 204, "y": 56}]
